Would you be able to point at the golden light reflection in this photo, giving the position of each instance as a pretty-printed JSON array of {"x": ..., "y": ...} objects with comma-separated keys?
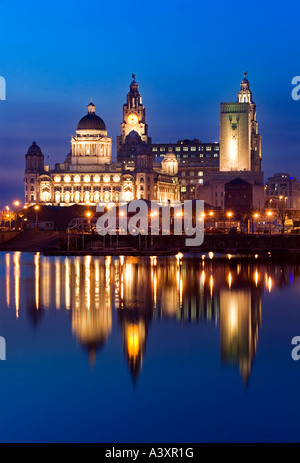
[
  {"x": 133, "y": 340},
  {"x": 211, "y": 255},
  {"x": 87, "y": 281},
  {"x": 67, "y": 283},
  {"x": 270, "y": 284},
  {"x": 57, "y": 283},
  {"x": 229, "y": 280},
  {"x": 37, "y": 279},
  {"x": 211, "y": 285},
  {"x": 16, "y": 260},
  {"x": 7, "y": 265},
  {"x": 256, "y": 277}
]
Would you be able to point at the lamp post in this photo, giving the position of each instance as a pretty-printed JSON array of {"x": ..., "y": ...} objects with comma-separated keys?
[
  {"x": 17, "y": 204},
  {"x": 269, "y": 214},
  {"x": 255, "y": 216},
  {"x": 229, "y": 215},
  {"x": 36, "y": 208},
  {"x": 89, "y": 215}
]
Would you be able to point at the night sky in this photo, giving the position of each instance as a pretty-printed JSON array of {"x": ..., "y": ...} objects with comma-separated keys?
[{"x": 188, "y": 57}]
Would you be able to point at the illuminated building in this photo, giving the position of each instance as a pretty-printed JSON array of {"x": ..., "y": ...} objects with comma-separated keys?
[
  {"x": 240, "y": 154},
  {"x": 88, "y": 174},
  {"x": 187, "y": 169}
]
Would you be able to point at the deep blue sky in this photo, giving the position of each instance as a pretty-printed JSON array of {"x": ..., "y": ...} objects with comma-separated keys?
[{"x": 188, "y": 57}]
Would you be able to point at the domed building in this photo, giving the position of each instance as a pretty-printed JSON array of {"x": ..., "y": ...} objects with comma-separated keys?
[{"x": 88, "y": 174}]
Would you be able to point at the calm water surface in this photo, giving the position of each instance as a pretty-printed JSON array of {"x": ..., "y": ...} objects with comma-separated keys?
[{"x": 154, "y": 350}]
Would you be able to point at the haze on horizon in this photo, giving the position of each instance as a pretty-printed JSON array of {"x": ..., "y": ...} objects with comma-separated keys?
[{"x": 188, "y": 57}]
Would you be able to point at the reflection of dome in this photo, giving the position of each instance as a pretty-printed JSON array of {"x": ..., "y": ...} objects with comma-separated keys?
[
  {"x": 91, "y": 121},
  {"x": 34, "y": 150}
]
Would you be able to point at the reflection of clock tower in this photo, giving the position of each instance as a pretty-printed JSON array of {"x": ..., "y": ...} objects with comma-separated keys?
[{"x": 134, "y": 130}]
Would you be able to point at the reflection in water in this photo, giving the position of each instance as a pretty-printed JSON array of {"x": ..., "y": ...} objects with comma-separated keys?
[
  {"x": 140, "y": 290},
  {"x": 17, "y": 281}
]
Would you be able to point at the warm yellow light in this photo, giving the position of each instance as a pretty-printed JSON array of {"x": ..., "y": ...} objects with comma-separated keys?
[
  {"x": 269, "y": 213},
  {"x": 133, "y": 341},
  {"x": 211, "y": 213},
  {"x": 229, "y": 214},
  {"x": 280, "y": 197},
  {"x": 17, "y": 203},
  {"x": 88, "y": 214},
  {"x": 36, "y": 208},
  {"x": 211, "y": 255},
  {"x": 256, "y": 215}
]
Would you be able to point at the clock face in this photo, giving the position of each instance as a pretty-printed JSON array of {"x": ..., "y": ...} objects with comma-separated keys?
[{"x": 132, "y": 119}]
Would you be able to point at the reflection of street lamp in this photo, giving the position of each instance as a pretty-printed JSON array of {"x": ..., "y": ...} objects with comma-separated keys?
[
  {"x": 269, "y": 214},
  {"x": 36, "y": 208}
]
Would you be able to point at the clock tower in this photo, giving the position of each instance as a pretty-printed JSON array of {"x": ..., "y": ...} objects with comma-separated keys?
[{"x": 134, "y": 130}]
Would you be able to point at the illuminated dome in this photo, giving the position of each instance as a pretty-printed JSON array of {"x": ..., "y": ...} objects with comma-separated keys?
[
  {"x": 91, "y": 121},
  {"x": 34, "y": 150}
]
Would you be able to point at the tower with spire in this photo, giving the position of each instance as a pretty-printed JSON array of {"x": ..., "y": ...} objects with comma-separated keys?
[
  {"x": 134, "y": 130},
  {"x": 240, "y": 142}
]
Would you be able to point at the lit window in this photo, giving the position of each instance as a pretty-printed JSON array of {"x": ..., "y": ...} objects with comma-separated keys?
[
  {"x": 183, "y": 189},
  {"x": 154, "y": 149},
  {"x": 185, "y": 148},
  {"x": 208, "y": 148},
  {"x": 162, "y": 149},
  {"x": 193, "y": 148},
  {"x": 216, "y": 155},
  {"x": 200, "y": 173},
  {"x": 200, "y": 180},
  {"x": 177, "y": 148}
]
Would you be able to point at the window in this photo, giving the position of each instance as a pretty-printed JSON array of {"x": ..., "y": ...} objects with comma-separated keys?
[
  {"x": 208, "y": 148},
  {"x": 154, "y": 149},
  {"x": 32, "y": 180},
  {"x": 200, "y": 173},
  {"x": 193, "y": 148},
  {"x": 183, "y": 174},
  {"x": 200, "y": 180},
  {"x": 32, "y": 188},
  {"x": 177, "y": 148},
  {"x": 162, "y": 149},
  {"x": 185, "y": 148},
  {"x": 183, "y": 189},
  {"x": 192, "y": 173},
  {"x": 216, "y": 155}
]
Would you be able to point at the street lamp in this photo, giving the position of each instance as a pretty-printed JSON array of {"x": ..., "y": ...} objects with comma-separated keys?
[
  {"x": 229, "y": 215},
  {"x": 36, "y": 208},
  {"x": 89, "y": 215},
  {"x": 269, "y": 214}
]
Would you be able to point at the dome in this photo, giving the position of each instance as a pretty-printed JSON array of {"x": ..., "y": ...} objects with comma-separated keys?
[
  {"x": 34, "y": 150},
  {"x": 91, "y": 122}
]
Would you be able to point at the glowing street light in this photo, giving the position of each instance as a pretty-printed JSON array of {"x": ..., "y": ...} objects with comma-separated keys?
[
  {"x": 269, "y": 214},
  {"x": 36, "y": 208}
]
